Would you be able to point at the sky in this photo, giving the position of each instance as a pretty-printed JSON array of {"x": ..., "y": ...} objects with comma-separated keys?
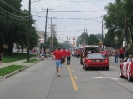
[{"x": 71, "y": 17}]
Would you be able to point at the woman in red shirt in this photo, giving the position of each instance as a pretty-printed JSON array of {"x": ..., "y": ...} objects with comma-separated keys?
[
  {"x": 121, "y": 53},
  {"x": 68, "y": 57}
]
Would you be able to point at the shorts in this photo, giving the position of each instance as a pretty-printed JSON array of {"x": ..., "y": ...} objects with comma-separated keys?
[
  {"x": 0, "y": 59},
  {"x": 58, "y": 63},
  {"x": 121, "y": 56}
]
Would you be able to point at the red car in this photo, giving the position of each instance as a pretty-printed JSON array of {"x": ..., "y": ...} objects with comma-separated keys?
[
  {"x": 126, "y": 70},
  {"x": 96, "y": 60}
]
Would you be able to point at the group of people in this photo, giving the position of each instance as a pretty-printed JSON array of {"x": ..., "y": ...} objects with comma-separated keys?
[
  {"x": 60, "y": 56},
  {"x": 43, "y": 54},
  {"x": 119, "y": 53}
]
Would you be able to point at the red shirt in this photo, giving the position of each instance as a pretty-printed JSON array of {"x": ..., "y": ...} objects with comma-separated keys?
[
  {"x": 64, "y": 53},
  {"x": 121, "y": 51},
  {"x": 58, "y": 54},
  {"x": 68, "y": 53}
]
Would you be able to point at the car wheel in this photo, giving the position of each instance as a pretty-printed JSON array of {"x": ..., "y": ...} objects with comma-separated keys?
[
  {"x": 121, "y": 76},
  {"x": 85, "y": 68},
  {"x": 129, "y": 78},
  {"x": 107, "y": 68}
]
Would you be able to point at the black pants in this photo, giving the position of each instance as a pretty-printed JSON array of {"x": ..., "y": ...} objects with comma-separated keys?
[{"x": 68, "y": 60}]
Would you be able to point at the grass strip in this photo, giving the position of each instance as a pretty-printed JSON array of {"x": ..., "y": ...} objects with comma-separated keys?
[
  {"x": 31, "y": 61},
  {"x": 6, "y": 70},
  {"x": 15, "y": 57}
]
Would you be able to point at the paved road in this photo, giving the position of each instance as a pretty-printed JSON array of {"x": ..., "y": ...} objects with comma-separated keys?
[{"x": 41, "y": 82}]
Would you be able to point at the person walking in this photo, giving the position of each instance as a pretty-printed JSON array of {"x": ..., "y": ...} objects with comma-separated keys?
[
  {"x": 64, "y": 54},
  {"x": 68, "y": 57},
  {"x": 116, "y": 55},
  {"x": 57, "y": 56},
  {"x": 121, "y": 54}
]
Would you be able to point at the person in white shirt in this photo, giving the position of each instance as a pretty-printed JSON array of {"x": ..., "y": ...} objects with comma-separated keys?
[{"x": 129, "y": 58}]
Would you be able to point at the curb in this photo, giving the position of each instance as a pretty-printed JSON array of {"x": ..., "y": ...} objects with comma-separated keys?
[{"x": 17, "y": 71}]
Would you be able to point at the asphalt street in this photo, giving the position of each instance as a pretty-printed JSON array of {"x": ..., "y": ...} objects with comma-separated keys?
[{"x": 40, "y": 81}]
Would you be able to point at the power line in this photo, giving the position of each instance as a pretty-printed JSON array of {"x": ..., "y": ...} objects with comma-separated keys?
[
  {"x": 12, "y": 7},
  {"x": 75, "y": 11},
  {"x": 13, "y": 14},
  {"x": 12, "y": 17}
]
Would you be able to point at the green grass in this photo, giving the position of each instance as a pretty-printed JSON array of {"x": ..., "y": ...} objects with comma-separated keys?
[
  {"x": 6, "y": 70},
  {"x": 31, "y": 61},
  {"x": 15, "y": 57}
]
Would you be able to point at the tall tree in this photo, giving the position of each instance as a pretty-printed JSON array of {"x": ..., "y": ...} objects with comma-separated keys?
[{"x": 92, "y": 40}]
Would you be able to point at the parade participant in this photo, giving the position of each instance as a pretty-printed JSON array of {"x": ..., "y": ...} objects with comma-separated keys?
[
  {"x": 116, "y": 55},
  {"x": 121, "y": 54},
  {"x": 68, "y": 57},
  {"x": 64, "y": 54},
  {"x": 57, "y": 56}
]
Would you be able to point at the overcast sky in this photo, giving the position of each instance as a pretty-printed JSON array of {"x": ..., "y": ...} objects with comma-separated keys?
[{"x": 70, "y": 16}]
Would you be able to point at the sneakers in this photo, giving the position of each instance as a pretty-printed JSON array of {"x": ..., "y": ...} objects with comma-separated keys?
[{"x": 58, "y": 74}]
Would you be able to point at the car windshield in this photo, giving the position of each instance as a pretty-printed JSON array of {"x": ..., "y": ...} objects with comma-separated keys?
[{"x": 96, "y": 56}]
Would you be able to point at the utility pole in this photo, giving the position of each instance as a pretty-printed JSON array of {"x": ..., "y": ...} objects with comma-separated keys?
[
  {"x": 51, "y": 40},
  {"x": 102, "y": 35},
  {"x": 28, "y": 34},
  {"x": 45, "y": 34}
]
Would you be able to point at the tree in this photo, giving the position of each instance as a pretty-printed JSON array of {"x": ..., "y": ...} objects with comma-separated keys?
[
  {"x": 14, "y": 24},
  {"x": 82, "y": 39},
  {"x": 99, "y": 36},
  {"x": 119, "y": 18},
  {"x": 92, "y": 40}
]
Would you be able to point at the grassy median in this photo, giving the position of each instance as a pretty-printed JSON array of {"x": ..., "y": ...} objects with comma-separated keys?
[
  {"x": 6, "y": 70},
  {"x": 15, "y": 57}
]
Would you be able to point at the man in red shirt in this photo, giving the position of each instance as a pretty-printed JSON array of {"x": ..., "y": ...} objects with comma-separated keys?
[
  {"x": 57, "y": 56},
  {"x": 121, "y": 54},
  {"x": 68, "y": 57},
  {"x": 64, "y": 54}
]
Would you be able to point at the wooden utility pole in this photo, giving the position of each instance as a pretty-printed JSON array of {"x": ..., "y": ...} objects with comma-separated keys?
[
  {"x": 102, "y": 35},
  {"x": 28, "y": 34},
  {"x": 45, "y": 34},
  {"x": 51, "y": 27}
]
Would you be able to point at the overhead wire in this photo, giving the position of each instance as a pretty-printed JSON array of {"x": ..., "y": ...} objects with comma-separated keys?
[
  {"x": 12, "y": 7},
  {"x": 12, "y": 17},
  {"x": 38, "y": 18},
  {"x": 13, "y": 14}
]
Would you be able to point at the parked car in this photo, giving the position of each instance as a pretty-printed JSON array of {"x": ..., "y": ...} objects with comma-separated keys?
[
  {"x": 126, "y": 70},
  {"x": 96, "y": 60},
  {"x": 88, "y": 49}
]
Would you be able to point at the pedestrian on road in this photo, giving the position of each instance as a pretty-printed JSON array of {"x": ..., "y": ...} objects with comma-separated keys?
[
  {"x": 116, "y": 55},
  {"x": 1, "y": 58},
  {"x": 68, "y": 57},
  {"x": 57, "y": 56},
  {"x": 121, "y": 54},
  {"x": 64, "y": 54}
]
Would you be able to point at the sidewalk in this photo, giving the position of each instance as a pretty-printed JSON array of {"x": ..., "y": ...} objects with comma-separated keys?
[{"x": 20, "y": 62}]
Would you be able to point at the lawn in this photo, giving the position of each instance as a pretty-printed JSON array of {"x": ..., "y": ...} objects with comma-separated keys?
[
  {"x": 6, "y": 70},
  {"x": 15, "y": 57},
  {"x": 31, "y": 61}
]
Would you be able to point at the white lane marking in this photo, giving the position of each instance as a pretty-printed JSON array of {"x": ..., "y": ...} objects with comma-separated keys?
[{"x": 106, "y": 77}]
